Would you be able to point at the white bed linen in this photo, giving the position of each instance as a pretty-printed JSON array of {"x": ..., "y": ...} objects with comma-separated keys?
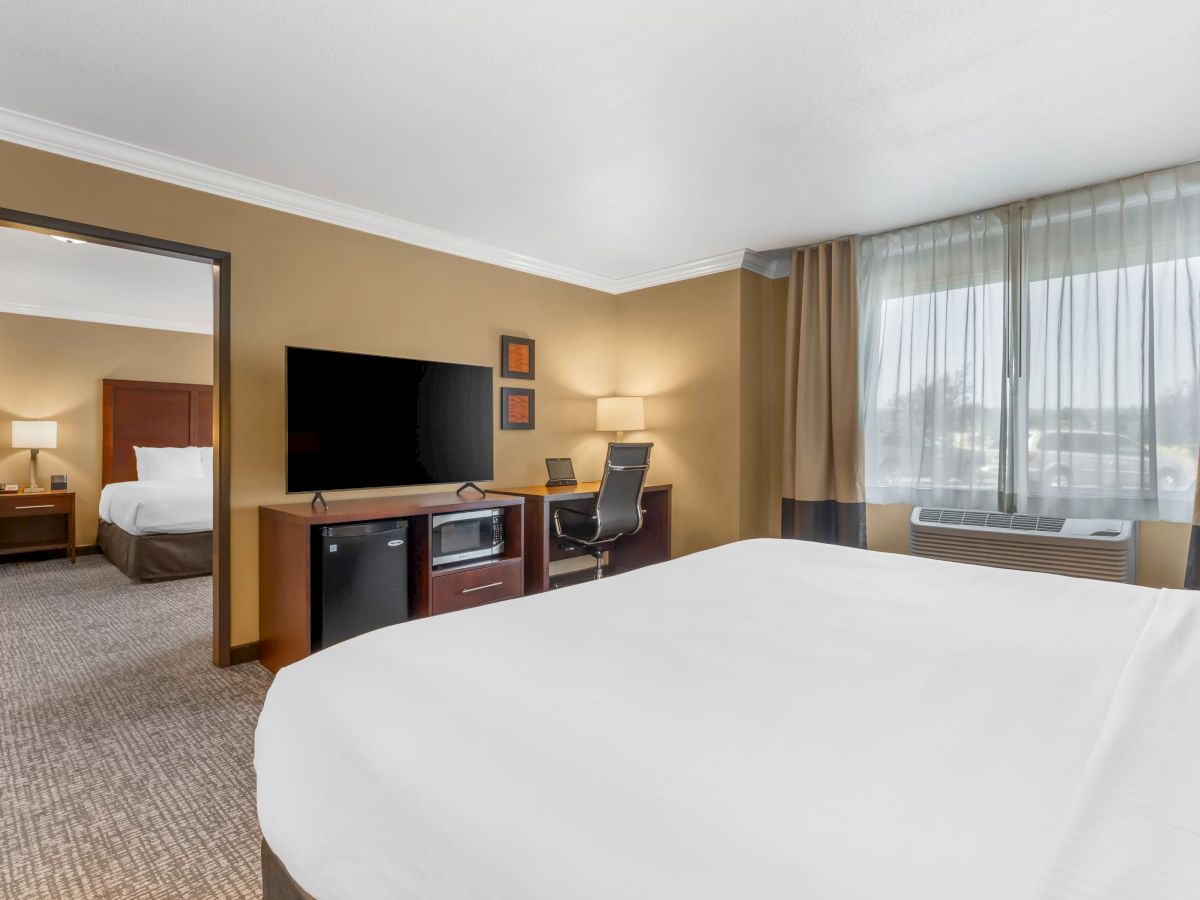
[
  {"x": 767, "y": 719},
  {"x": 167, "y": 506},
  {"x": 1134, "y": 828}
]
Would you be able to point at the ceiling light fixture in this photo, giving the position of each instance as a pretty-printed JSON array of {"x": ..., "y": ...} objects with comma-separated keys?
[{"x": 68, "y": 240}]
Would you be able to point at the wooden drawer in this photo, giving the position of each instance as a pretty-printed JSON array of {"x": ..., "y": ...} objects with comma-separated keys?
[
  {"x": 452, "y": 591},
  {"x": 35, "y": 505}
]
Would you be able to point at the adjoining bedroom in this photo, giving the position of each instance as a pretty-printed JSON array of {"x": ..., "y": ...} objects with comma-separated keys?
[{"x": 106, "y": 362}]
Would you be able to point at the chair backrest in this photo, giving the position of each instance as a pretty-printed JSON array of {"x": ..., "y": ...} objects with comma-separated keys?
[{"x": 619, "y": 502}]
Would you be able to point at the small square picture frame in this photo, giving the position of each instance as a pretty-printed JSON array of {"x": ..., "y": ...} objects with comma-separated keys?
[
  {"x": 516, "y": 409},
  {"x": 517, "y": 357}
]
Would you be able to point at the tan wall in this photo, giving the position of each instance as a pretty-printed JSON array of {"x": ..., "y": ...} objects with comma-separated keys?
[
  {"x": 707, "y": 354},
  {"x": 887, "y": 527},
  {"x": 297, "y": 281},
  {"x": 678, "y": 346},
  {"x": 1162, "y": 553},
  {"x": 1162, "y": 546},
  {"x": 763, "y": 315},
  {"x": 53, "y": 369}
]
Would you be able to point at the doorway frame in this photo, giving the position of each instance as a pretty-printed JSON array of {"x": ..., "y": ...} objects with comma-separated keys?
[{"x": 221, "y": 261}]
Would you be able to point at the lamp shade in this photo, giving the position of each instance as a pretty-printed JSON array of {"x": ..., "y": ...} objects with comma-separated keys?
[
  {"x": 35, "y": 435},
  {"x": 619, "y": 414}
]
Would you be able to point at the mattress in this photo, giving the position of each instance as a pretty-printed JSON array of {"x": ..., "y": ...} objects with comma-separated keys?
[
  {"x": 179, "y": 506},
  {"x": 766, "y": 719}
]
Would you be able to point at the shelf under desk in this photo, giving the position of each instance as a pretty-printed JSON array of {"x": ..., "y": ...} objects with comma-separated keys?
[{"x": 650, "y": 545}]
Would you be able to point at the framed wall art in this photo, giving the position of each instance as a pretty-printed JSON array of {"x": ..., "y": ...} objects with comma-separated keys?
[
  {"x": 516, "y": 357},
  {"x": 516, "y": 409}
]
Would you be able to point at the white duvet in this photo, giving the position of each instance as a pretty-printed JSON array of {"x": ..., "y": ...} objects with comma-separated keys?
[
  {"x": 768, "y": 719},
  {"x": 179, "y": 506}
]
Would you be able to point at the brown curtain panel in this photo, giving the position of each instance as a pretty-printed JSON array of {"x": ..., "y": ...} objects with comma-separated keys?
[
  {"x": 822, "y": 452},
  {"x": 1191, "y": 575}
]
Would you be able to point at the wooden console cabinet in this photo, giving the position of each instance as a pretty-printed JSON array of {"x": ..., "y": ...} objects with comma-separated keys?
[{"x": 285, "y": 543}]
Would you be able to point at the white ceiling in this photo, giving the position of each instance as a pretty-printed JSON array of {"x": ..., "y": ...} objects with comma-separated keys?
[
  {"x": 597, "y": 142},
  {"x": 42, "y": 276}
]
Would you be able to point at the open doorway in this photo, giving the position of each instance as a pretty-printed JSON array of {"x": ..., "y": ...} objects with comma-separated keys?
[{"x": 183, "y": 421}]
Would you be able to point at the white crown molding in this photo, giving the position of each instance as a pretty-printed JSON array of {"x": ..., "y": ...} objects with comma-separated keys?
[
  {"x": 100, "y": 317},
  {"x": 723, "y": 262},
  {"x": 757, "y": 263},
  {"x": 64, "y": 140},
  {"x": 767, "y": 266}
]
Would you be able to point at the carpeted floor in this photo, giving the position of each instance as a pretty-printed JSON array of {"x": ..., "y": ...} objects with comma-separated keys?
[{"x": 126, "y": 758}]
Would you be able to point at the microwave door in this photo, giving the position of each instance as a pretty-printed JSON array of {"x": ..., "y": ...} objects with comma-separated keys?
[{"x": 462, "y": 538}]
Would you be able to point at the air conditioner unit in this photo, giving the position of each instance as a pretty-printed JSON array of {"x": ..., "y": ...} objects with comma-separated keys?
[{"x": 1084, "y": 548}]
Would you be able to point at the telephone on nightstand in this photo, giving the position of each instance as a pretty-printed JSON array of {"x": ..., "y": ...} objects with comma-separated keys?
[{"x": 9, "y": 488}]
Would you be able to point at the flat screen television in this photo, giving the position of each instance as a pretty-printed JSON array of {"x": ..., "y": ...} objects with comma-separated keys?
[{"x": 361, "y": 421}]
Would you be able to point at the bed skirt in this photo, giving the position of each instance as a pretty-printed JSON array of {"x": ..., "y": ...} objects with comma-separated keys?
[
  {"x": 155, "y": 557},
  {"x": 277, "y": 883}
]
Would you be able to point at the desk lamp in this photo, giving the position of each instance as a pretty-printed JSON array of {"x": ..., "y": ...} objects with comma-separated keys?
[{"x": 620, "y": 414}]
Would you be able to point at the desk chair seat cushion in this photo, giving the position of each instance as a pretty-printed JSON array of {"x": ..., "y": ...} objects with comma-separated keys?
[{"x": 575, "y": 526}]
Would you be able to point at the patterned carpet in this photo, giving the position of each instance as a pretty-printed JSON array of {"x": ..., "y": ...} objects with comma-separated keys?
[{"x": 125, "y": 756}]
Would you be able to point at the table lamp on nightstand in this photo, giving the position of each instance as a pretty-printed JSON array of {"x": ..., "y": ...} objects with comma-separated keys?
[{"x": 34, "y": 436}]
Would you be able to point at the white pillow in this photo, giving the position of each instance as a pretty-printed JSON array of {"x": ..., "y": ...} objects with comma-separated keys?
[
  {"x": 173, "y": 463},
  {"x": 206, "y": 461}
]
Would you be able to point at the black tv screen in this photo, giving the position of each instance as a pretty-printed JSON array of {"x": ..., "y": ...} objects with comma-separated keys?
[{"x": 361, "y": 421}]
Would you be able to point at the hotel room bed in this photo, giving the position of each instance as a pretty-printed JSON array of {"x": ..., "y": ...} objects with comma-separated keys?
[
  {"x": 767, "y": 719},
  {"x": 153, "y": 528},
  {"x": 157, "y": 529}
]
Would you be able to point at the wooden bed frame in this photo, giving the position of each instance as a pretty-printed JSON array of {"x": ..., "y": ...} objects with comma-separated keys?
[
  {"x": 277, "y": 882},
  {"x": 153, "y": 414}
]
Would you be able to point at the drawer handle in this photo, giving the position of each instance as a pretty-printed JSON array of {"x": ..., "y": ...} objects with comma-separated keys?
[
  {"x": 38, "y": 506},
  {"x": 482, "y": 587}
]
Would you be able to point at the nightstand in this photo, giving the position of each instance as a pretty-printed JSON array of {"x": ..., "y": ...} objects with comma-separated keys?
[{"x": 34, "y": 522}]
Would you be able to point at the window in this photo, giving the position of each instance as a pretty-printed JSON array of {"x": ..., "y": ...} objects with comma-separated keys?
[
  {"x": 933, "y": 305},
  {"x": 1041, "y": 358}
]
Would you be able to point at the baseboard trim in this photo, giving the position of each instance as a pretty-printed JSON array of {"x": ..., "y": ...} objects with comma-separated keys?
[
  {"x": 43, "y": 555},
  {"x": 243, "y": 653}
]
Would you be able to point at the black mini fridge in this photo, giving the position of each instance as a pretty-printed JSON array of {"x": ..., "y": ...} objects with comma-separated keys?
[{"x": 361, "y": 581}]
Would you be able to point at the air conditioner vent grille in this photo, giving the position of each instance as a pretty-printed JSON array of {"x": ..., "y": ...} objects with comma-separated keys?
[{"x": 1000, "y": 521}]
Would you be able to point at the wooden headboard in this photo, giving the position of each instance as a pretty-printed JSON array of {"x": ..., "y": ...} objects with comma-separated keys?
[{"x": 152, "y": 414}]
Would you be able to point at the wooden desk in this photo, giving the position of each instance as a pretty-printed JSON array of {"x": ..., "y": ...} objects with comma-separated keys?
[
  {"x": 35, "y": 522},
  {"x": 650, "y": 545}
]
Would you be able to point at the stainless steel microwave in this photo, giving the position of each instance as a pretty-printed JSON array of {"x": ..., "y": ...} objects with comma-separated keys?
[{"x": 460, "y": 536}]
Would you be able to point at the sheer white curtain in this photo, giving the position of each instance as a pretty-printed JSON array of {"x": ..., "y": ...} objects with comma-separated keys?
[
  {"x": 932, "y": 310},
  {"x": 1094, "y": 390},
  {"x": 1112, "y": 297}
]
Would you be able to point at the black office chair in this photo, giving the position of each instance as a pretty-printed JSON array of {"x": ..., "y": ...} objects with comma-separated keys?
[{"x": 618, "y": 505}]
